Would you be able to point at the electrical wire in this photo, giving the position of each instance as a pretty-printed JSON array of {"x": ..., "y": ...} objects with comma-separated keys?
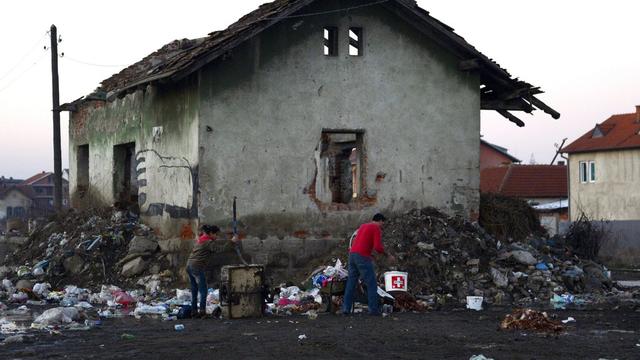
[
  {"x": 65, "y": 56},
  {"x": 25, "y": 71},
  {"x": 324, "y": 12},
  {"x": 25, "y": 56}
]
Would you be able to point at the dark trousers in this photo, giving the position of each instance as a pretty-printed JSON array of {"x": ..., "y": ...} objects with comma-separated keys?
[
  {"x": 198, "y": 283},
  {"x": 361, "y": 267}
]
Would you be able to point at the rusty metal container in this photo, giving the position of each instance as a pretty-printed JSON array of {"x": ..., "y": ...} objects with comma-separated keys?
[{"x": 241, "y": 292}]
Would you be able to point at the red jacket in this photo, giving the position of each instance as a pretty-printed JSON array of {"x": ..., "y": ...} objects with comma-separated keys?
[{"x": 369, "y": 238}]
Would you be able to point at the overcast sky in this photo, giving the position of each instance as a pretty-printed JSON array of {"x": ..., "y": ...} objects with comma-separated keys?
[{"x": 584, "y": 54}]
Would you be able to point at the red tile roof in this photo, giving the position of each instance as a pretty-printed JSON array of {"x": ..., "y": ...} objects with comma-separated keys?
[
  {"x": 35, "y": 178},
  {"x": 620, "y": 132},
  {"x": 525, "y": 181}
]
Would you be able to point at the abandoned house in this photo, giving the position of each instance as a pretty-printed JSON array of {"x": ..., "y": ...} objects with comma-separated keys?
[
  {"x": 315, "y": 114},
  {"x": 604, "y": 172}
]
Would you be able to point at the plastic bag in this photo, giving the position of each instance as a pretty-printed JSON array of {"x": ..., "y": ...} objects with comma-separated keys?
[
  {"x": 144, "y": 309},
  {"x": 42, "y": 289},
  {"x": 123, "y": 298},
  {"x": 57, "y": 316},
  {"x": 183, "y": 295}
]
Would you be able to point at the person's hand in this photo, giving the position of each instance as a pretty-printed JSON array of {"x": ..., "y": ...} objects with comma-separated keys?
[{"x": 235, "y": 238}]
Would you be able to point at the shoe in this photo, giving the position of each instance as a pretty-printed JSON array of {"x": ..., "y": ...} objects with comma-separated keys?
[
  {"x": 194, "y": 314},
  {"x": 202, "y": 314}
]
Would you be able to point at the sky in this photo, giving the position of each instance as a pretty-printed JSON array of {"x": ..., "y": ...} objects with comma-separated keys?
[{"x": 585, "y": 55}]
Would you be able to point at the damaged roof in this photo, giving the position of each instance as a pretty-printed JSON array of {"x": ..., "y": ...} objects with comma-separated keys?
[
  {"x": 616, "y": 133},
  {"x": 174, "y": 61}
]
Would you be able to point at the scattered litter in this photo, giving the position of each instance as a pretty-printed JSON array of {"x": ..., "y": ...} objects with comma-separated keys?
[
  {"x": 568, "y": 320},
  {"x": 302, "y": 337},
  {"x": 179, "y": 327},
  {"x": 479, "y": 357},
  {"x": 528, "y": 319},
  {"x": 126, "y": 336}
]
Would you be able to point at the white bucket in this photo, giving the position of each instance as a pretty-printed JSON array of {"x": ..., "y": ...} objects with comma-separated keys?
[
  {"x": 395, "y": 281},
  {"x": 474, "y": 302}
]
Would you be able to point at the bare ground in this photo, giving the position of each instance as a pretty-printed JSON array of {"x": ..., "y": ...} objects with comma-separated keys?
[{"x": 456, "y": 334}]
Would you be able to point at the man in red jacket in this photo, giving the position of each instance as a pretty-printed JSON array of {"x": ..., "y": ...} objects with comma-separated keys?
[{"x": 368, "y": 238}]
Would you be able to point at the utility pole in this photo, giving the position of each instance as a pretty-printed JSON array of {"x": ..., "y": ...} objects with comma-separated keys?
[{"x": 57, "y": 151}]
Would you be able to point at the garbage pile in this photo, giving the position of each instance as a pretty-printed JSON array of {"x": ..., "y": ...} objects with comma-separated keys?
[
  {"x": 452, "y": 258},
  {"x": 73, "y": 308},
  {"x": 99, "y": 246},
  {"x": 528, "y": 319}
]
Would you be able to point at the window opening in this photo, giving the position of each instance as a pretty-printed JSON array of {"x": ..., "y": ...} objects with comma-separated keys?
[
  {"x": 355, "y": 41},
  {"x": 592, "y": 171},
  {"x": 124, "y": 174},
  {"x": 339, "y": 177},
  {"x": 331, "y": 41}
]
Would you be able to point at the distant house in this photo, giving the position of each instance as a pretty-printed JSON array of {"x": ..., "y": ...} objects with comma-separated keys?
[
  {"x": 543, "y": 186},
  {"x": 42, "y": 190},
  {"x": 15, "y": 204},
  {"x": 604, "y": 181},
  {"x": 492, "y": 155}
]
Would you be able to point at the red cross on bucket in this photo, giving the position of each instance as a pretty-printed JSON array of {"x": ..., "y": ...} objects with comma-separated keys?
[{"x": 397, "y": 282}]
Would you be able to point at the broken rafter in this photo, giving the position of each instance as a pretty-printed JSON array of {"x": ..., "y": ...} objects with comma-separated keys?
[{"x": 511, "y": 117}]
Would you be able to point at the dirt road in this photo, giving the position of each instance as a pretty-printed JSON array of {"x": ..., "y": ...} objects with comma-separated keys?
[{"x": 437, "y": 335}]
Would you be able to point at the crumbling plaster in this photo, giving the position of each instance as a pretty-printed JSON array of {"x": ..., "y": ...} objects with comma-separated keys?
[{"x": 166, "y": 164}]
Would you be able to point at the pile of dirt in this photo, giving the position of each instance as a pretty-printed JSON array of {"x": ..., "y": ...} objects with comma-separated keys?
[
  {"x": 508, "y": 218},
  {"x": 90, "y": 248}
]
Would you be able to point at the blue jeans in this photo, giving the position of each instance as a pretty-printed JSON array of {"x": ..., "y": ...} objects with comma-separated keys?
[
  {"x": 361, "y": 267},
  {"x": 198, "y": 282}
]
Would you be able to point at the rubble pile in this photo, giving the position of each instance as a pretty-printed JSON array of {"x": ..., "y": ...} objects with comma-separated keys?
[
  {"x": 453, "y": 258},
  {"x": 508, "y": 218},
  {"x": 528, "y": 319},
  {"x": 90, "y": 248}
]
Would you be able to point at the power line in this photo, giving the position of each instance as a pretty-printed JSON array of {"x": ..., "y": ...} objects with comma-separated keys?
[
  {"x": 24, "y": 71},
  {"x": 324, "y": 12},
  {"x": 24, "y": 56},
  {"x": 64, "y": 56}
]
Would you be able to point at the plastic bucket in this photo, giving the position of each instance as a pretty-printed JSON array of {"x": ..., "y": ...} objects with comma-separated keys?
[
  {"x": 395, "y": 281},
  {"x": 474, "y": 302}
]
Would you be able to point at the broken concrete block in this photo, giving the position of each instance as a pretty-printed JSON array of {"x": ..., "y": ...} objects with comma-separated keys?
[
  {"x": 142, "y": 245},
  {"x": 425, "y": 246},
  {"x": 524, "y": 257},
  {"x": 170, "y": 246},
  {"x": 134, "y": 267},
  {"x": 73, "y": 264},
  {"x": 499, "y": 278},
  {"x": 24, "y": 284}
]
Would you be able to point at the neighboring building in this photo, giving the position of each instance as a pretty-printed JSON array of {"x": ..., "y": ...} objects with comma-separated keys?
[
  {"x": 492, "y": 155},
  {"x": 313, "y": 122},
  {"x": 42, "y": 186},
  {"x": 15, "y": 205},
  {"x": 604, "y": 182},
  {"x": 543, "y": 186}
]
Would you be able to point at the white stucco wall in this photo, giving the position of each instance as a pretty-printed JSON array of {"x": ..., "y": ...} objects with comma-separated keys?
[{"x": 615, "y": 194}]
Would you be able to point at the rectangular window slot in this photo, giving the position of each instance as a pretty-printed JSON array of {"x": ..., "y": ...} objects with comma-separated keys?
[
  {"x": 330, "y": 41},
  {"x": 355, "y": 41},
  {"x": 592, "y": 171},
  {"x": 82, "y": 156}
]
